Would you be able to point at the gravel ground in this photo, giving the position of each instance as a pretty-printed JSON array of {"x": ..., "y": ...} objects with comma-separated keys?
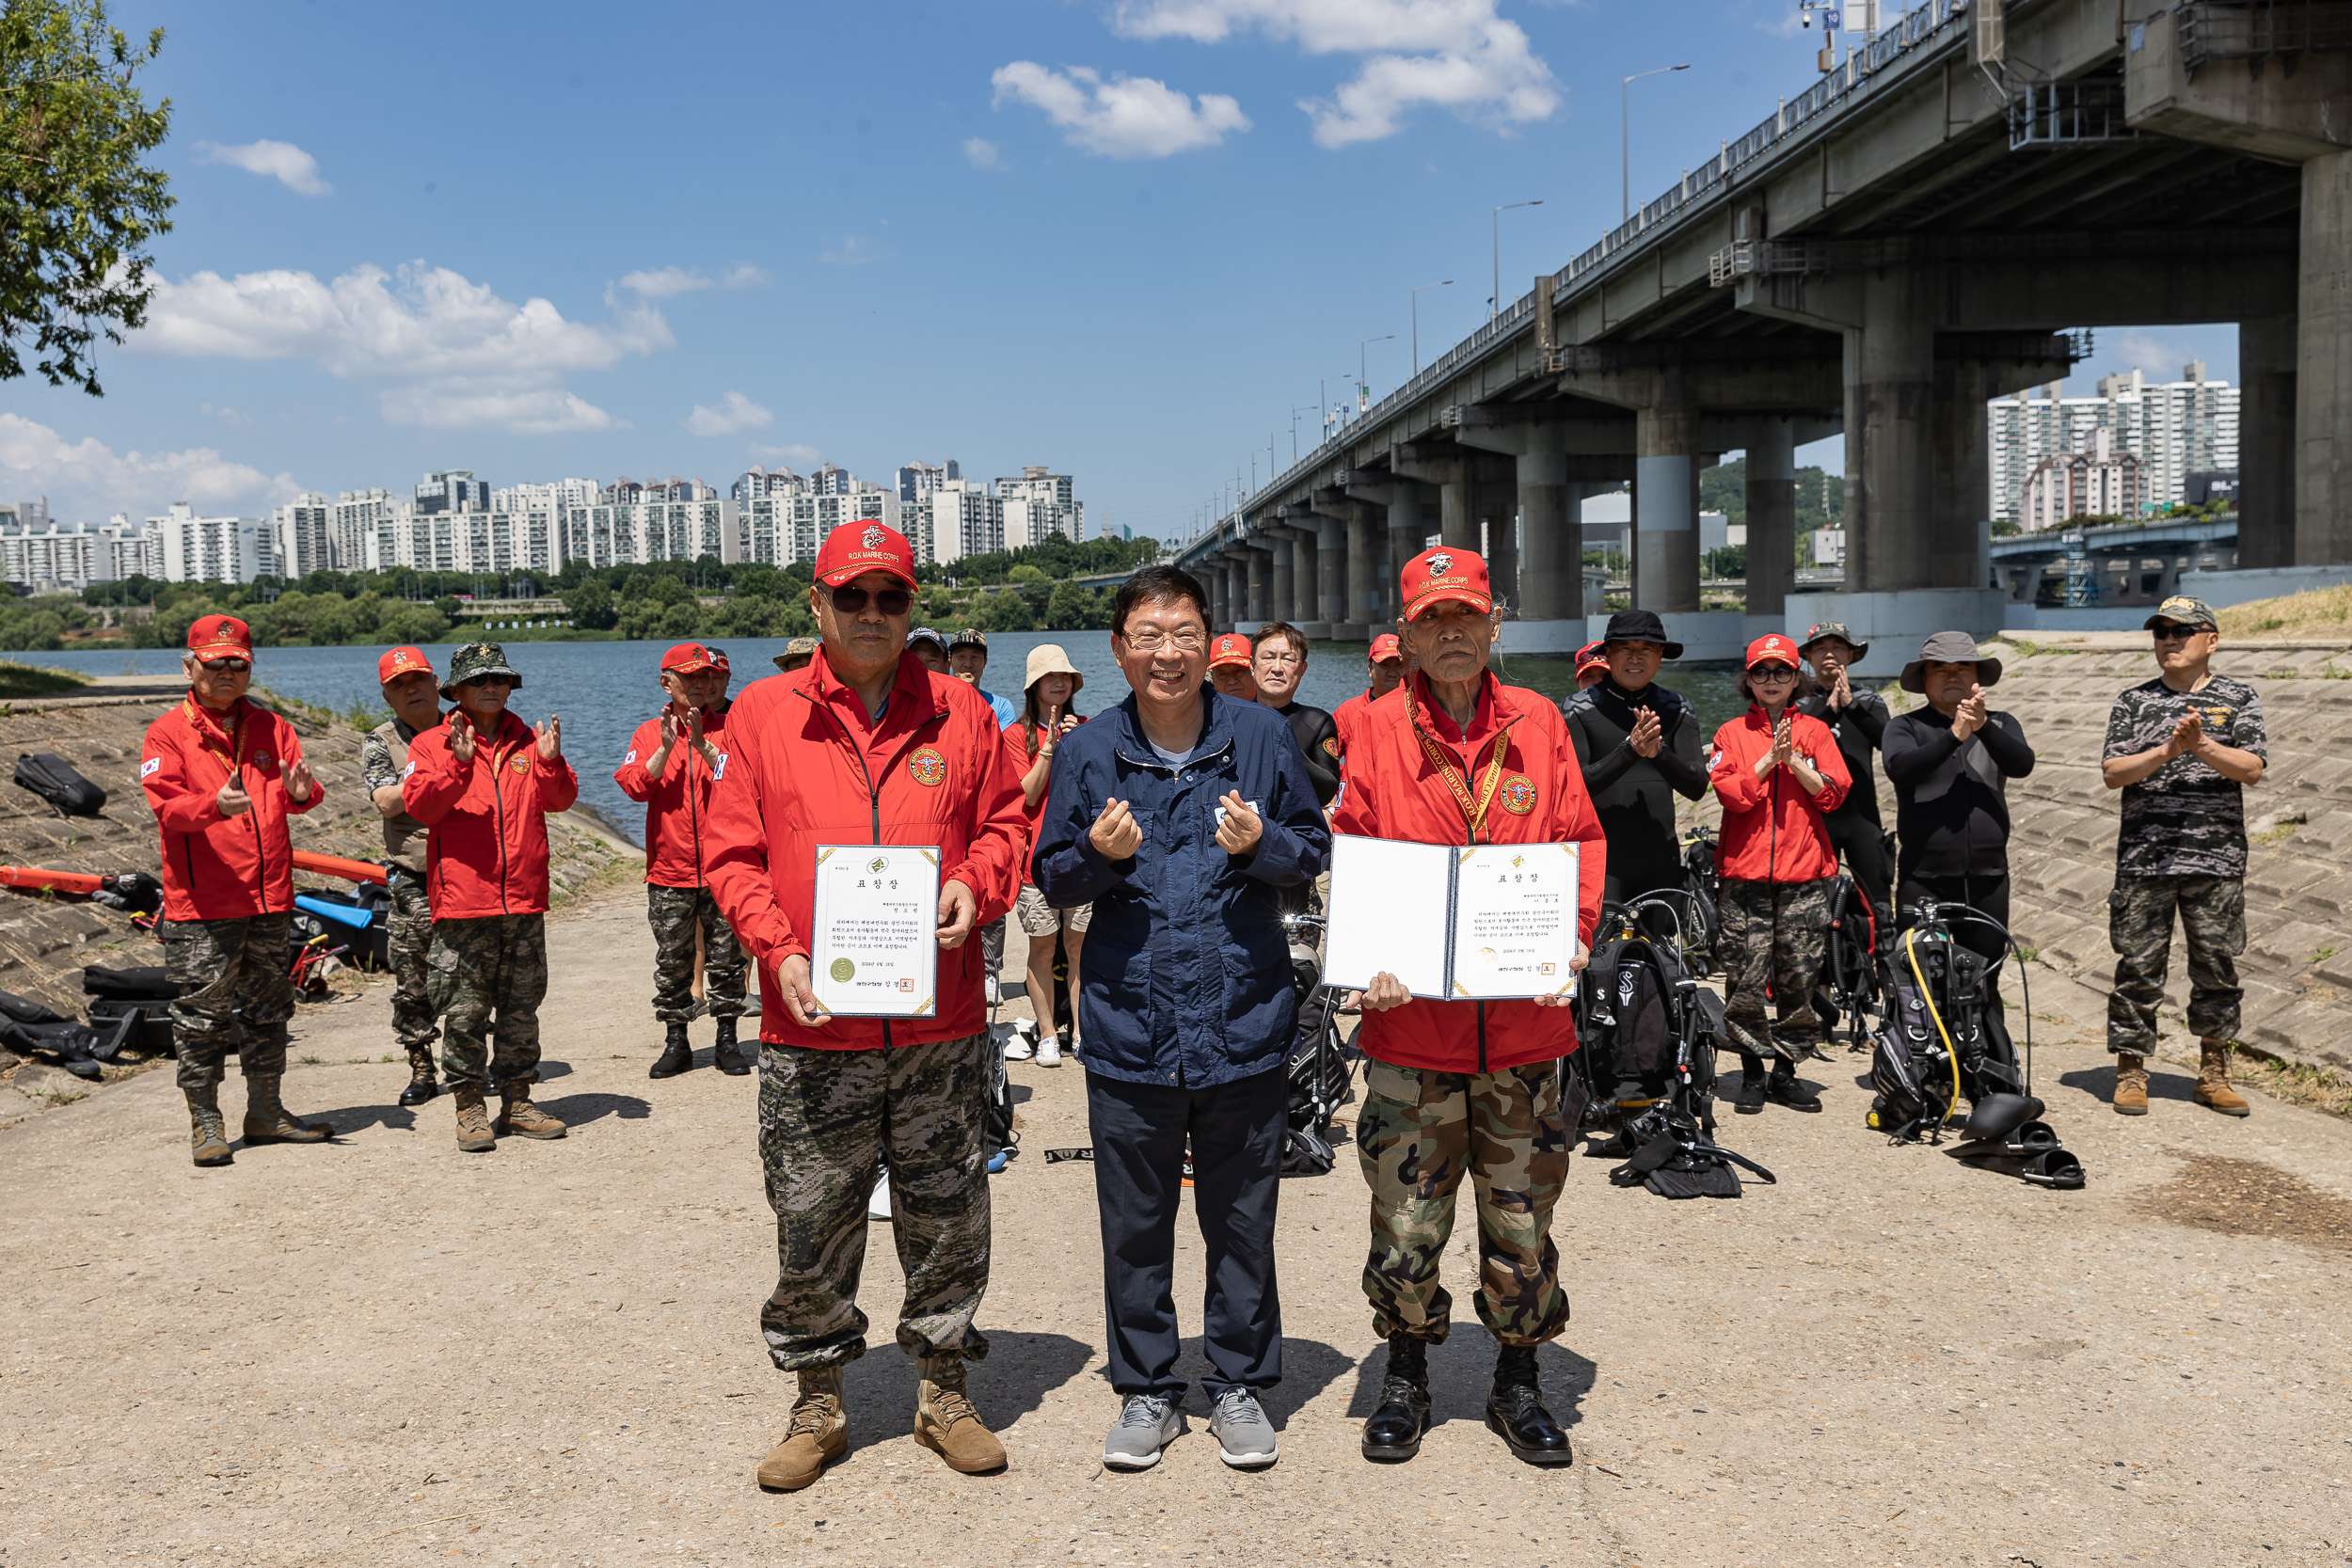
[{"x": 382, "y": 1350}]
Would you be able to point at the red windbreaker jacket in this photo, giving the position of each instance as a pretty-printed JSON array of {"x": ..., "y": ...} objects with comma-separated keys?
[
  {"x": 1773, "y": 829},
  {"x": 220, "y": 868},
  {"x": 807, "y": 769},
  {"x": 487, "y": 850},
  {"x": 1394, "y": 791},
  {"x": 1020, "y": 759},
  {"x": 678, "y": 803}
]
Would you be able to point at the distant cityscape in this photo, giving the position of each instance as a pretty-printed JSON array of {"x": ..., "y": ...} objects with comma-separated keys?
[{"x": 454, "y": 523}]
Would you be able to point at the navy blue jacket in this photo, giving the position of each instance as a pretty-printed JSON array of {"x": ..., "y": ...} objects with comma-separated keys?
[{"x": 1186, "y": 975}]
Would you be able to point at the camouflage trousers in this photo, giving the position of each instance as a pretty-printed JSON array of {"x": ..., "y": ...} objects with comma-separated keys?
[
  {"x": 829, "y": 1121},
  {"x": 1773, "y": 938},
  {"x": 1419, "y": 1134},
  {"x": 2140, "y": 928},
  {"x": 236, "y": 985},
  {"x": 409, "y": 938},
  {"x": 674, "y": 913},
  {"x": 496, "y": 965}
]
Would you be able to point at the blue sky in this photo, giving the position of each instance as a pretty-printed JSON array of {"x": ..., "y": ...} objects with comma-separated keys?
[{"x": 1123, "y": 238}]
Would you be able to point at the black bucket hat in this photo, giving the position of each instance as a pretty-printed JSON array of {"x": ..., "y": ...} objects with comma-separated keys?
[
  {"x": 1640, "y": 625},
  {"x": 1949, "y": 647}
]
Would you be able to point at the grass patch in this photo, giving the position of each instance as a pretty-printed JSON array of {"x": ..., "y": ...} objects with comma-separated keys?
[
  {"x": 2317, "y": 1087},
  {"x": 34, "y": 680},
  {"x": 2323, "y": 612},
  {"x": 312, "y": 1061}
]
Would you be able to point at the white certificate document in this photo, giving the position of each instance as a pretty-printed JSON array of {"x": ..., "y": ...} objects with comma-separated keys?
[
  {"x": 1487, "y": 922},
  {"x": 1515, "y": 917},
  {"x": 874, "y": 952}
]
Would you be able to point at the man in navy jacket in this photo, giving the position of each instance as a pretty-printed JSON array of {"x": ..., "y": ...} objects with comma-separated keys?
[{"x": 1181, "y": 815}]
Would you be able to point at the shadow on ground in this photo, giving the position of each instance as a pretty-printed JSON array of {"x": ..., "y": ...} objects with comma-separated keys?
[{"x": 1021, "y": 1370}]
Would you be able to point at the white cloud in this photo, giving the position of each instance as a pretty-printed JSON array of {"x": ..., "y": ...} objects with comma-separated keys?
[
  {"x": 1457, "y": 55},
  {"x": 282, "y": 161},
  {"x": 664, "y": 282},
  {"x": 1126, "y": 116},
  {"x": 459, "y": 355},
  {"x": 743, "y": 277},
  {"x": 984, "y": 154},
  {"x": 791, "y": 452},
  {"x": 735, "y": 413},
  {"x": 854, "y": 250},
  {"x": 87, "y": 479}
]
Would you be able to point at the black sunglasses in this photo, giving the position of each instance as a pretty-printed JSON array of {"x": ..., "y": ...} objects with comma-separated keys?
[
  {"x": 488, "y": 680},
  {"x": 1770, "y": 672},
  {"x": 2169, "y": 633},
  {"x": 890, "y": 601}
]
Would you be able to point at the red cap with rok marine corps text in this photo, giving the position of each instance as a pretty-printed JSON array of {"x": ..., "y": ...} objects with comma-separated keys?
[
  {"x": 1444, "y": 573},
  {"x": 688, "y": 658},
  {"x": 220, "y": 636},
  {"x": 1772, "y": 648},
  {"x": 1229, "y": 648},
  {"x": 1386, "y": 647},
  {"x": 399, "y": 661},
  {"x": 856, "y": 548}
]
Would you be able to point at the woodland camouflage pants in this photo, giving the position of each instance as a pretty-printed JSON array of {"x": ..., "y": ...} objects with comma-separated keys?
[
  {"x": 1419, "y": 1134},
  {"x": 494, "y": 965},
  {"x": 1774, "y": 935},
  {"x": 236, "y": 984},
  {"x": 674, "y": 913}
]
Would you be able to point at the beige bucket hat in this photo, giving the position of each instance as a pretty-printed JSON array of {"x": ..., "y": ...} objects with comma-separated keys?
[{"x": 1047, "y": 658}]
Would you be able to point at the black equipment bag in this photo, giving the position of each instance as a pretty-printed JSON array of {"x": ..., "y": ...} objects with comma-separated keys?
[
  {"x": 1645, "y": 1021},
  {"x": 141, "y": 983},
  {"x": 53, "y": 779},
  {"x": 1913, "y": 1064},
  {"x": 131, "y": 891},
  {"x": 142, "y": 1025},
  {"x": 30, "y": 1029},
  {"x": 1672, "y": 1158}
]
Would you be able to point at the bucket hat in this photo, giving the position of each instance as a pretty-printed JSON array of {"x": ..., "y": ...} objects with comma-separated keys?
[
  {"x": 802, "y": 648},
  {"x": 478, "y": 659},
  {"x": 1640, "y": 625},
  {"x": 1047, "y": 658},
  {"x": 1949, "y": 647}
]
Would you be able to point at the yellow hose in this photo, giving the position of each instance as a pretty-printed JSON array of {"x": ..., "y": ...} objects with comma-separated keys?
[{"x": 1927, "y": 997}]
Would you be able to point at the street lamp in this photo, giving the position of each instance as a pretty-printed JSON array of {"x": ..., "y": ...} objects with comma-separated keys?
[
  {"x": 1494, "y": 301},
  {"x": 1302, "y": 408},
  {"x": 1624, "y": 117},
  {"x": 1363, "y": 381},
  {"x": 1322, "y": 391},
  {"x": 1441, "y": 283}
]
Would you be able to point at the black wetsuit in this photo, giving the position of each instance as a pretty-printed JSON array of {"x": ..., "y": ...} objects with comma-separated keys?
[
  {"x": 1633, "y": 794},
  {"x": 1320, "y": 739},
  {"x": 1951, "y": 814},
  {"x": 1854, "y": 828}
]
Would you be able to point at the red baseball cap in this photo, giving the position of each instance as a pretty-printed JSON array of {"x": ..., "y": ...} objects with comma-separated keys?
[
  {"x": 1590, "y": 655},
  {"x": 1386, "y": 647},
  {"x": 399, "y": 661},
  {"x": 1231, "y": 648},
  {"x": 1772, "y": 648},
  {"x": 856, "y": 548},
  {"x": 687, "y": 658},
  {"x": 220, "y": 636},
  {"x": 1444, "y": 573}
]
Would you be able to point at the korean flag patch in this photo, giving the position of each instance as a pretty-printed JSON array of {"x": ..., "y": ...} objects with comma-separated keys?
[
  {"x": 150, "y": 765},
  {"x": 719, "y": 769}
]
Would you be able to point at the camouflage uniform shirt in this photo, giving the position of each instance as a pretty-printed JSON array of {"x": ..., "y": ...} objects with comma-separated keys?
[{"x": 2184, "y": 820}]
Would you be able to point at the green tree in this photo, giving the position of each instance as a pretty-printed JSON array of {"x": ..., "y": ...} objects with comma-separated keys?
[
  {"x": 591, "y": 606},
  {"x": 77, "y": 206},
  {"x": 1025, "y": 573}
]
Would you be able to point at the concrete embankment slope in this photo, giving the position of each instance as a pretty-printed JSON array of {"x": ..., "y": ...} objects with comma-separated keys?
[
  {"x": 44, "y": 942},
  {"x": 2298, "y": 966}
]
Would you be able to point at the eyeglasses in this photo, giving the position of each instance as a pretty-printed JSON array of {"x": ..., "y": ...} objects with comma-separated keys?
[
  {"x": 1765, "y": 672},
  {"x": 226, "y": 666},
  {"x": 1189, "y": 641},
  {"x": 488, "y": 680},
  {"x": 2174, "y": 634},
  {"x": 890, "y": 601}
]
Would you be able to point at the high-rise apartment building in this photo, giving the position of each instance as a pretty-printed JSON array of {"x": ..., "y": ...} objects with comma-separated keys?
[
  {"x": 760, "y": 482},
  {"x": 831, "y": 479},
  {"x": 453, "y": 490},
  {"x": 44, "y": 557},
  {"x": 779, "y": 529},
  {"x": 2097, "y": 482},
  {"x": 2172, "y": 428},
  {"x": 1038, "y": 504},
  {"x": 215, "y": 549},
  {"x": 303, "y": 529}
]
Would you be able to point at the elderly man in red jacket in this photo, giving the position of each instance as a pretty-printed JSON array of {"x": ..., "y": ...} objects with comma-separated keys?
[
  {"x": 223, "y": 774},
  {"x": 482, "y": 784},
  {"x": 1456, "y": 1089},
  {"x": 674, "y": 760},
  {"x": 867, "y": 746}
]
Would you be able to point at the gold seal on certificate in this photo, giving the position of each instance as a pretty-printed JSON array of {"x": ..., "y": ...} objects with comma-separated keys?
[
  {"x": 874, "y": 952},
  {"x": 1491, "y": 922}
]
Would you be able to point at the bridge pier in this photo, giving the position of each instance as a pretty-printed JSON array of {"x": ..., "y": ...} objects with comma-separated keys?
[
  {"x": 2323, "y": 370},
  {"x": 1363, "y": 573},
  {"x": 1282, "y": 578},
  {"x": 1772, "y": 506},
  {"x": 1449, "y": 471},
  {"x": 1666, "y": 498},
  {"x": 2265, "y": 442}
]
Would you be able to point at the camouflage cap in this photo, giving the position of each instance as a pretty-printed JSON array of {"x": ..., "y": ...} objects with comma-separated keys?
[
  {"x": 1820, "y": 631},
  {"x": 2183, "y": 610},
  {"x": 478, "y": 659},
  {"x": 797, "y": 653}
]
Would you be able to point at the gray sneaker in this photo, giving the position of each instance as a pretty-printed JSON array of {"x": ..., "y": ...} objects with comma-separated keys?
[
  {"x": 1142, "y": 1429},
  {"x": 1244, "y": 1438}
]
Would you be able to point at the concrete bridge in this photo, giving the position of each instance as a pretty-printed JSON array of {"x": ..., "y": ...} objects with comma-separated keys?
[{"x": 1916, "y": 234}]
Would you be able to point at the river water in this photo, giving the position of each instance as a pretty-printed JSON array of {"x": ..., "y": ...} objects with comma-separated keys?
[{"x": 604, "y": 690}]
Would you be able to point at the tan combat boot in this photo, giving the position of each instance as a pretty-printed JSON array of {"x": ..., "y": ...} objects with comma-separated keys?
[
  {"x": 206, "y": 1141},
  {"x": 820, "y": 1434},
  {"x": 517, "y": 1114},
  {"x": 2213, "y": 1082},
  {"x": 2131, "y": 1084},
  {"x": 267, "y": 1121},
  {"x": 945, "y": 1422},
  {"x": 473, "y": 1121}
]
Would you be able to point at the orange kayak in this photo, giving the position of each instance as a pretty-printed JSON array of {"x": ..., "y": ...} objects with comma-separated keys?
[
  {"x": 33, "y": 876},
  {"x": 335, "y": 865}
]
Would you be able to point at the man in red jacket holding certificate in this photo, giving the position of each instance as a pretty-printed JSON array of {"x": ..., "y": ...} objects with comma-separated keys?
[
  {"x": 482, "y": 783},
  {"x": 1465, "y": 1088},
  {"x": 865, "y": 746},
  {"x": 223, "y": 775}
]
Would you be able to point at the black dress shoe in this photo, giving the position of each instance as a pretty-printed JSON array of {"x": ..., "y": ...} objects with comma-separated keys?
[
  {"x": 1394, "y": 1430},
  {"x": 729, "y": 1057},
  {"x": 677, "y": 1054},
  {"x": 1516, "y": 1413}
]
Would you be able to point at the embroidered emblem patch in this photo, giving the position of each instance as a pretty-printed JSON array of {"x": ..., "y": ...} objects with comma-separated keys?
[
  {"x": 1440, "y": 563},
  {"x": 926, "y": 766},
  {"x": 1518, "y": 795},
  {"x": 261, "y": 759},
  {"x": 871, "y": 538},
  {"x": 520, "y": 765},
  {"x": 1331, "y": 745}
]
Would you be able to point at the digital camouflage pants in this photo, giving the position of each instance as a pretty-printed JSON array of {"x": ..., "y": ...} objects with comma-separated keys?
[
  {"x": 236, "y": 985},
  {"x": 496, "y": 965},
  {"x": 2140, "y": 928},
  {"x": 1774, "y": 935},
  {"x": 1419, "y": 1134},
  {"x": 674, "y": 912},
  {"x": 829, "y": 1120},
  {"x": 409, "y": 938}
]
